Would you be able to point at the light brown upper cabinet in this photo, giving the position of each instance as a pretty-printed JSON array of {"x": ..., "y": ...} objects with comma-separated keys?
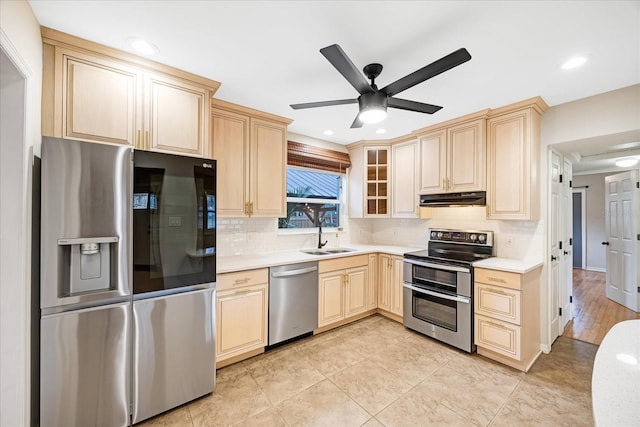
[
  {"x": 513, "y": 145},
  {"x": 453, "y": 157},
  {"x": 369, "y": 181},
  {"x": 405, "y": 169},
  {"x": 95, "y": 93},
  {"x": 251, "y": 152}
]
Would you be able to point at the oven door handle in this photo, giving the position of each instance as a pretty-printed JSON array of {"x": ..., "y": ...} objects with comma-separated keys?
[
  {"x": 437, "y": 266},
  {"x": 436, "y": 294}
]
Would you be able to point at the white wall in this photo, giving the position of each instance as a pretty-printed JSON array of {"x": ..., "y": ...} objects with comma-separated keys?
[
  {"x": 609, "y": 114},
  {"x": 20, "y": 136}
]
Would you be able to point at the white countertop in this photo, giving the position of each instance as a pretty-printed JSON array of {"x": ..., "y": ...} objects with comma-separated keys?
[
  {"x": 615, "y": 384},
  {"x": 508, "y": 264},
  {"x": 227, "y": 264}
]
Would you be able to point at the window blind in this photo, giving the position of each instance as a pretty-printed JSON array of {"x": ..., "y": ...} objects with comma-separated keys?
[{"x": 309, "y": 156}]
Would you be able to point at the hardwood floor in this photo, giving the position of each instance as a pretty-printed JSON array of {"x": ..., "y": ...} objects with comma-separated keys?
[{"x": 593, "y": 313}]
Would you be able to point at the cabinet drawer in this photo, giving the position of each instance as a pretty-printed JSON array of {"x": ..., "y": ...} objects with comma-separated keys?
[
  {"x": 500, "y": 337},
  {"x": 496, "y": 302},
  {"x": 242, "y": 278},
  {"x": 498, "y": 278},
  {"x": 342, "y": 263}
]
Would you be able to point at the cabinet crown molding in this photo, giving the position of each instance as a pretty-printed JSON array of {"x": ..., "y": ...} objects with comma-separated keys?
[
  {"x": 58, "y": 38},
  {"x": 536, "y": 103},
  {"x": 241, "y": 109}
]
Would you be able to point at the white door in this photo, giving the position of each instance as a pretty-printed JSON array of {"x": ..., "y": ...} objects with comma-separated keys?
[
  {"x": 622, "y": 220},
  {"x": 566, "y": 252},
  {"x": 555, "y": 165}
]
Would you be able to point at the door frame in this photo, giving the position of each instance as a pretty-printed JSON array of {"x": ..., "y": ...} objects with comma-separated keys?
[
  {"x": 16, "y": 374},
  {"x": 583, "y": 219}
]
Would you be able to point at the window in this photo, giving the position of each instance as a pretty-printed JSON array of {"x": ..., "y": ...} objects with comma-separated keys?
[{"x": 313, "y": 198}]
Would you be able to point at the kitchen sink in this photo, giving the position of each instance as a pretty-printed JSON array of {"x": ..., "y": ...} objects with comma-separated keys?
[
  {"x": 315, "y": 252},
  {"x": 327, "y": 251}
]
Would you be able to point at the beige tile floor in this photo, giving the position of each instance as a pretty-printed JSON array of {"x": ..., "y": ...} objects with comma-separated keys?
[{"x": 374, "y": 372}]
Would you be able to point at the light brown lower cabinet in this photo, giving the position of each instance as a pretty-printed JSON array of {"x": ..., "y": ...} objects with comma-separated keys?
[
  {"x": 242, "y": 308},
  {"x": 343, "y": 291},
  {"x": 390, "y": 286},
  {"x": 507, "y": 316}
]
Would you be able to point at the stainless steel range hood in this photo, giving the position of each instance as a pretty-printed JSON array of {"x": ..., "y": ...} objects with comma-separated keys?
[{"x": 473, "y": 198}]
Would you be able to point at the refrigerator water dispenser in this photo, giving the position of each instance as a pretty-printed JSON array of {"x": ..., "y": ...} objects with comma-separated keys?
[{"x": 87, "y": 263}]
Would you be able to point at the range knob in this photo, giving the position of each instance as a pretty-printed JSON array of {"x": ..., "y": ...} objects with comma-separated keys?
[
  {"x": 482, "y": 238},
  {"x": 473, "y": 237},
  {"x": 434, "y": 234},
  {"x": 439, "y": 234}
]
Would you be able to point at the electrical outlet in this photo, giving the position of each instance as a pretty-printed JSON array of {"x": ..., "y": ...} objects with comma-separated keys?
[{"x": 508, "y": 241}]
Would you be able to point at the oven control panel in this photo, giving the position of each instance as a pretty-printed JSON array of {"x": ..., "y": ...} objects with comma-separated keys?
[{"x": 483, "y": 238}]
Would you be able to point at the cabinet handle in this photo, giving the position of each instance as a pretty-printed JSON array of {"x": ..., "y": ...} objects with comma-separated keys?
[
  {"x": 497, "y": 324},
  {"x": 496, "y": 279},
  {"x": 243, "y": 291},
  {"x": 251, "y": 208},
  {"x": 246, "y": 209},
  {"x": 241, "y": 281},
  {"x": 146, "y": 140},
  {"x": 497, "y": 291},
  {"x": 138, "y": 140},
  {"x": 444, "y": 184}
]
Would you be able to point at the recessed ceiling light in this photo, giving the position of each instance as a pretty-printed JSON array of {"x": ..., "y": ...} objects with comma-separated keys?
[
  {"x": 143, "y": 46},
  {"x": 627, "y": 358},
  {"x": 381, "y": 131},
  {"x": 626, "y": 163},
  {"x": 574, "y": 62},
  {"x": 328, "y": 132}
]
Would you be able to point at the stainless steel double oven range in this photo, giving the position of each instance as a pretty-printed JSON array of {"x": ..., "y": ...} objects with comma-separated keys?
[{"x": 438, "y": 285}]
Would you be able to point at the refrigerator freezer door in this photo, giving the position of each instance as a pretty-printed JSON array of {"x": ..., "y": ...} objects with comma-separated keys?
[
  {"x": 174, "y": 351},
  {"x": 84, "y": 365}
]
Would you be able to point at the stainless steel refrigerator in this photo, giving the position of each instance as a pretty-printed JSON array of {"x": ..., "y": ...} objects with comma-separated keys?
[{"x": 127, "y": 283}]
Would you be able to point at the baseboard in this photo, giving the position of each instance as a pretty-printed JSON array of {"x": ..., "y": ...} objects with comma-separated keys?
[
  {"x": 546, "y": 349},
  {"x": 598, "y": 269}
]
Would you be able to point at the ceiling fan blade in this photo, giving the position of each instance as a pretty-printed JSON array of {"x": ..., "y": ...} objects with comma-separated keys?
[
  {"x": 357, "y": 123},
  {"x": 343, "y": 64},
  {"x": 405, "y": 104},
  {"x": 323, "y": 103},
  {"x": 443, "y": 64}
]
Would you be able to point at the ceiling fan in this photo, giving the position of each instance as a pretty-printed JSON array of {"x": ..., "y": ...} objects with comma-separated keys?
[{"x": 373, "y": 102}]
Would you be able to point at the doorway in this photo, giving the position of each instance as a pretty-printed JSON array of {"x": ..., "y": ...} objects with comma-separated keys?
[
  {"x": 14, "y": 295},
  {"x": 579, "y": 228}
]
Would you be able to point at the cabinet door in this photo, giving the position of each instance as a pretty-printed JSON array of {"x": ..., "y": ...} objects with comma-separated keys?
[
  {"x": 356, "y": 291},
  {"x": 396, "y": 285},
  {"x": 466, "y": 152},
  {"x": 405, "y": 165},
  {"x": 376, "y": 172},
  {"x": 501, "y": 337},
  {"x": 330, "y": 297},
  {"x": 384, "y": 282},
  {"x": 176, "y": 116},
  {"x": 372, "y": 291},
  {"x": 97, "y": 100},
  {"x": 433, "y": 162},
  {"x": 268, "y": 166},
  {"x": 512, "y": 189},
  {"x": 241, "y": 320},
  {"x": 230, "y": 140}
]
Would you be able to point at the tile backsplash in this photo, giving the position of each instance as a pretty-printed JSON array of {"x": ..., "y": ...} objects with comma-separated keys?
[{"x": 513, "y": 239}]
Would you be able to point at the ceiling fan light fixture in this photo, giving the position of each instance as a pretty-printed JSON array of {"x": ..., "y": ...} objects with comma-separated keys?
[
  {"x": 373, "y": 107},
  {"x": 626, "y": 163}
]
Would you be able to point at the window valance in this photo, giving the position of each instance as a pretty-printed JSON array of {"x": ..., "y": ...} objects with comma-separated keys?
[{"x": 310, "y": 156}]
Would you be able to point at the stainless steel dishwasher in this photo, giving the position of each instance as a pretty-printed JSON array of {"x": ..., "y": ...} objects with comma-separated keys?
[{"x": 293, "y": 301}]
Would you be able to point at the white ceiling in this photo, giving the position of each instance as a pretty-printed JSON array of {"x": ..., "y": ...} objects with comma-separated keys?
[{"x": 266, "y": 53}]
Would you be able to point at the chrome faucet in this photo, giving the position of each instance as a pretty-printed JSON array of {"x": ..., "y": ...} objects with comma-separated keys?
[{"x": 320, "y": 244}]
